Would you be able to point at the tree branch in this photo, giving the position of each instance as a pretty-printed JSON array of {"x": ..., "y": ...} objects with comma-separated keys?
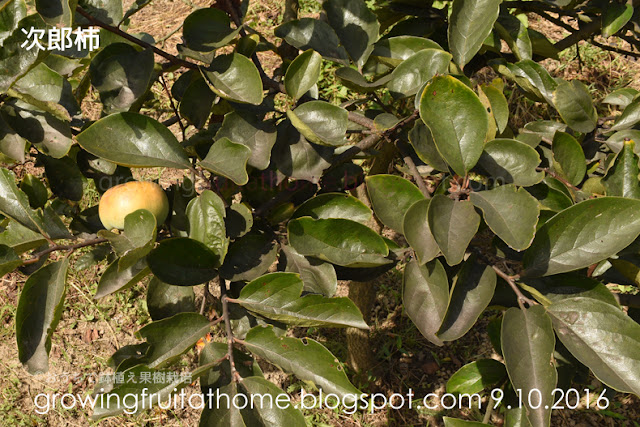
[
  {"x": 227, "y": 326},
  {"x": 406, "y": 157},
  {"x": 558, "y": 177},
  {"x": 615, "y": 49},
  {"x": 36, "y": 257}
]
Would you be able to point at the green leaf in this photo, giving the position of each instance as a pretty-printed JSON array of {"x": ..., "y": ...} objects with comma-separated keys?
[
  {"x": 276, "y": 296},
  {"x": 16, "y": 61},
  {"x": 207, "y": 29},
  {"x": 471, "y": 293},
  {"x": 239, "y": 220},
  {"x": 453, "y": 225},
  {"x": 118, "y": 400},
  {"x": 12, "y": 145},
  {"x": 629, "y": 117},
  {"x": 115, "y": 279},
  {"x": 499, "y": 106},
  {"x": 415, "y": 226},
  {"x": 569, "y": 159},
  {"x": 108, "y": 11},
  {"x": 510, "y": 161},
  {"x": 334, "y": 205},
  {"x": 137, "y": 239},
  {"x": 245, "y": 128},
  {"x": 310, "y": 33},
  {"x": 476, "y": 376},
  {"x": 384, "y": 188},
  {"x": 302, "y": 73},
  {"x": 15, "y": 204},
  {"x": 122, "y": 74},
  {"x": 234, "y": 77},
  {"x": 20, "y": 238},
  {"x": 268, "y": 413},
  {"x": 35, "y": 191},
  {"x": 64, "y": 176},
  {"x": 391, "y": 51},
  {"x": 570, "y": 285},
  {"x": 583, "y": 234},
  {"x": 228, "y": 159},
  {"x": 469, "y": 25},
  {"x": 251, "y": 255},
  {"x": 220, "y": 374},
  {"x": 206, "y": 215},
  {"x": 195, "y": 264},
  {"x": 515, "y": 32},
  {"x": 533, "y": 78},
  {"x": 45, "y": 131},
  {"x": 614, "y": 17},
  {"x": 527, "y": 346},
  {"x": 133, "y": 140},
  {"x": 510, "y": 212},
  {"x": 356, "y": 26},
  {"x": 424, "y": 146},
  {"x": 573, "y": 102},
  {"x": 319, "y": 277},
  {"x": 425, "y": 296},
  {"x": 622, "y": 177},
  {"x": 164, "y": 300},
  {"x": 457, "y": 119},
  {"x": 621, "y": 97},
  {"x": 306, "y": 359},
  {"x": 172, "y": 337},
  {"x": 226, "y": 414},
  {"x": 602, "y": 337},
  {"x": 196, "y": 103},
  {"x": 408, "y": 77},
  {"x": 9, "y": 260},
  {"x": 352, "y": 79},
  {"x": 38, "y": 313},
  {"x": 298, "y": 158},
  {"x": 45, "y": 85},
  {"x": 320, "y": 122},
  {"x": 11, "y": 12},
  {"x": 355, "y": 246}
]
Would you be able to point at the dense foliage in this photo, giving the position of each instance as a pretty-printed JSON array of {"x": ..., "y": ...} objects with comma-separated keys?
[{"x": 533, "y": 219}]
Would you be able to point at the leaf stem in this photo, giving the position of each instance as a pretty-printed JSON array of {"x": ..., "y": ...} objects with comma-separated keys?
[{"x": 227, "y": 325}]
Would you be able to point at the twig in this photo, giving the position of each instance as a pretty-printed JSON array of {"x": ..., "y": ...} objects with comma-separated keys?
[
  {"x": 615, "y": 49},
  {"x": 511, "y": 280},
  {"x": 172, "y": 58},
  {"x": 627, "y": 299},
  {"x": 402, "y": 147},
  {"x": 227, "y": 325},
  {"x": 558, "y": 177},
  {"x": 36, "y": 257},
  {"x": 174, "y": 107},
  {"x": 582, "y": 34}
]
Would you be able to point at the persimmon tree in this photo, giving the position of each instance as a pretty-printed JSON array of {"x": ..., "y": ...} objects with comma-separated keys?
[{"x": 532, "y": 221}]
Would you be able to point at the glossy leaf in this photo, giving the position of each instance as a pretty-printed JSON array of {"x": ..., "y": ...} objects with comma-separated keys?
[
  {"x": 602, "y": 337},
  {"x": 453, "y": 225},
  {"x": 172, "y": 337},
  {"x": 621, "y": 97},
  {"x": 527, "y": 346},
  {"x": 121, "y": 73},
  {"x": 302, "y": 73},
  {"x": 510, "y": 212},
  {"x": 469, "y": 26},
  {"x": 573, "y": 102},
  {"x": 425, "y": 295},
  {"x": 416, "y": 229},
  {"x": 424, "y": 146},
  {"x": 384, "y": 188},
  {"x": 533, "y": 78},
  {"x": 298, "y": 158},
  {"x": 510, "y": 161},
  {"x": 320, "y": 122},
  {"x": 334, "y": 205},
  {"x": 64, "y": 177},
  {"x": 570, "y": 285},
  {"x": 408, "y": 77},
  {"x": 309, "y": 33},
  {"x": 207, "y": 29},
  {"x": 250, "y": 256},
  {"x": 14, "y": 203},
  {"x": 277, "y": 296},
  {"x": 234, "y": 77},
  {"x": 195, "y": 265},
  {"x": 165, "y": 300},
  {"x": 568, "y": 158},
  {"x": 9, "y": 260},
  {"x": 355, "y": 246},
  {"x": 476, "y": 376},
  {"x": 12, "y": 144},
  {"x": 228, "y": 159},
  {"x": 38, "y": 313},
  {"x": 196, "y": 103},
  {"x": 614, "y": 17},
  {"x": 16, "y": 61},
  {"x": 319, "y": 277},
  {"x": 457, "y": 119},
  {"x": 583, "y": 234},
  {"x": 391, "y": 51},
  {"x": 499, "y": 106},
  {"x": 206, "y": 215},
  {"x": 356, "y": 26},
  {"x": 11, "y": 13},
  {"x": 471, "y": 293},
  {"x": 134, "y": 140},
  {"x": 629, "y": 117},
  {"x": 137, "y": 239},
  {"x": 245, "y": 128},
  {"x": 307, "y": 360},
  {"x": 622, "y": 177},
  {"x": 115, "y": 279},
  {"x": 290, "y": 416},
  {"x": 45, "y": 85}
]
